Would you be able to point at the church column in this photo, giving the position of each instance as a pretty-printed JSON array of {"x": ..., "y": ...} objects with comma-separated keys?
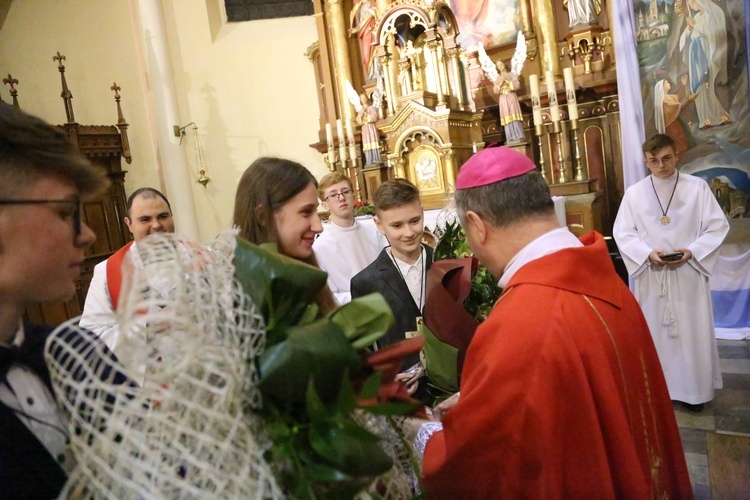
[
  {"x": 441, "y": 70},
  {"x": 430, "y": 49},
  {"x": 170, "y": 155},
  {"x": 457, "y": 77},
  {"x": 449, "y": 167},
  {"x": 546, "y": 35},
  {"x": 524, "y": 11},
  {"x": 387, "y": 61},
  {"x": 341, "y": 67}
]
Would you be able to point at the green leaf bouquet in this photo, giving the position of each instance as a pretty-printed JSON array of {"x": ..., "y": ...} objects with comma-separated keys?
[{"x": 316, "y": 376}]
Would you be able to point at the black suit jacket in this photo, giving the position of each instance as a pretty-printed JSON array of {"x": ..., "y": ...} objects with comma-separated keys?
[
  {"x": 27, "y": 470},
  {"x": 382, "y": 276}
]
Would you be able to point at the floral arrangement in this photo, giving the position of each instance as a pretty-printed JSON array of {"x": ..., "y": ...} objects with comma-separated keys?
[
  {"x": 315, "y": 372},
  {"x": 484, "y": 290},
  {"x": 245, "y": 389},
  {"x": 363, "y": 208}
]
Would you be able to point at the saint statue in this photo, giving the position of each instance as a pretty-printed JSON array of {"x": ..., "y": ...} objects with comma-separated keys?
[
  {"x": 362, "y": 23},
  {"x": 367, "y": 116},
  {"x": 583, "y": 11}
]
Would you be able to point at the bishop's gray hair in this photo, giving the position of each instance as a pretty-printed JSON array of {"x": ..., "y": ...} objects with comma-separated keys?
[{"x": 507, "y": 202}]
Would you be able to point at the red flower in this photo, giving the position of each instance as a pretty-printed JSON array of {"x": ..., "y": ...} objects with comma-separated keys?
[{"x": 388, "y": 361}]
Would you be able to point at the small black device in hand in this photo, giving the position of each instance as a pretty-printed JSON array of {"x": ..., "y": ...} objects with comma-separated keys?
[{"x": 669, "y": 257}]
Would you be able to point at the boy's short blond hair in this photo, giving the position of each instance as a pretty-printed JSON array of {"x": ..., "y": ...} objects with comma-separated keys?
[
  {"x": 393, "y": 194},
  {"x": 329, "y": 180}
]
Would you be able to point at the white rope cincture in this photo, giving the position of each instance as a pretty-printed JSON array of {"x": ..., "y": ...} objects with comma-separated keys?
[{"x": 668, "y": 319}]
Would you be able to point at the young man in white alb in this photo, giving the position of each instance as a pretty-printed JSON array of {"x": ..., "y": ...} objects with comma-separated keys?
[{"x": 346, "y": 246}]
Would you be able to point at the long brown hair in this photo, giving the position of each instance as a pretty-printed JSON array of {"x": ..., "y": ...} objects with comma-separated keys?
[{"x": 266, "y": 186}]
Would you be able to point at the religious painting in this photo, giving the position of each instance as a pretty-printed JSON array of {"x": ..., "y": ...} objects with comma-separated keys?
[
  {"x": 693, "y": 58},
  {"x": 425, "y": 168},
  {"x": 487, "y": 22}
]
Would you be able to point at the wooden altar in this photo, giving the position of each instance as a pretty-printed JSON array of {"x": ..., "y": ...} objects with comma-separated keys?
[
  {"x": 104, "y": 146},
  {"x": 439, "y": 106}
]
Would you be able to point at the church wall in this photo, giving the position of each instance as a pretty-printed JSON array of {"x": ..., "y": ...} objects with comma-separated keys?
[
  {"x": 98, "y": 41},
  {"x": 251, "y": 91},
  {"x": 248, "y": 86}
]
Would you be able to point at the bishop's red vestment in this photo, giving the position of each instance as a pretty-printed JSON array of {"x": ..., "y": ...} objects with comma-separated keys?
[{"x": 562, "y": 394}]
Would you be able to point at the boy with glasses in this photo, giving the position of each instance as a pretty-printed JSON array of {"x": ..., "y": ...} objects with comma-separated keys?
[
  {"x": 669, "y": 229},
  {"x": 346, "y": 246},
  {"x": 43, "y": 179}
]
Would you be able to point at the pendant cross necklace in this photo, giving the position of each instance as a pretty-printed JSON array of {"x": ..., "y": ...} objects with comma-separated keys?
[{"x": 665, "y": 220}]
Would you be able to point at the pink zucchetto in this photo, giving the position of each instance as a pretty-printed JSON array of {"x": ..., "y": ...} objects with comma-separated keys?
[{"x": 493, "y": 165}]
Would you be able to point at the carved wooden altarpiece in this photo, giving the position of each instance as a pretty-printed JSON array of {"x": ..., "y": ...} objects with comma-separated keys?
[{"x": 104, "y": 146}]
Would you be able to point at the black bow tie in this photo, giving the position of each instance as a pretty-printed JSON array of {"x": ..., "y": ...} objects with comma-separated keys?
[{"x": 28, "y": 353}]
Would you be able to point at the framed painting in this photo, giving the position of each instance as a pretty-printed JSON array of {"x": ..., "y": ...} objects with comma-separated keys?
[{"x": 488, "y": 22}]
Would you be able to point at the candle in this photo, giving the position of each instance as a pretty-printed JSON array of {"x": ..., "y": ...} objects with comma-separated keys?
[
  {"x": 329, "y": 142},
  {"x": 554, "y": 110},
  {"x": 349, "y": 130},
  {"x": 350, "y": 139},
  {"x": 536, "y": 104},
  {"x": 474, "y": 147},
  {"x": 570, "y": 92},
  {"x": 342, "y": 140}
]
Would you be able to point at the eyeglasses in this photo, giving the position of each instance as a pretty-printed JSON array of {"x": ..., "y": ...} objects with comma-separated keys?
[
  {"x": 664, "y": 160},
  {"x": 74, "y": 202},
  {"x": 335, "y": 196}
]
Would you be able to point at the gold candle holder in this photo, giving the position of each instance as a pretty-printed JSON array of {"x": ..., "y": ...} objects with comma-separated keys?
[
  {"x": 579, "y": 174},
  {"x": 539, "y": 133},
  {"x": 327, "y": 162},
  {"x": 562, "y": 176},
  {"x": 353, "y": 173}
]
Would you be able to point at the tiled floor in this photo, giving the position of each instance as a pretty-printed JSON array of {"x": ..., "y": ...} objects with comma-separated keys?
[{"x": 728, "y": 413}]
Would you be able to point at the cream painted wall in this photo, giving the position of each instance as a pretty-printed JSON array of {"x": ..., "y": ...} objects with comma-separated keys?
[
  {"x": 249, "y": 88},
  {"x": 251, "y": 91},
  {"x": 98, "y": 41}
]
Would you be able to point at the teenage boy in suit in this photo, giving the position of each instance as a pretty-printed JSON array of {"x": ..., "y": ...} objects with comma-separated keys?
[
  {"x": 399, "y": 273},
  {"x": 43, "y": 181}
]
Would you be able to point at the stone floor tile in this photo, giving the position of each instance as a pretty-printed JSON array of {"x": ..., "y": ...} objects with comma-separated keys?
[
  {"x": 736, "y": 381},
  {"x": 697, "y": 464},
  {"x": 693, "y": 440},
  {"x": 734, "y": 351},
  {"x": 731, "y": 411},
  {"x": 691, "y": 420},
  {"x": 735, "y": 365}
]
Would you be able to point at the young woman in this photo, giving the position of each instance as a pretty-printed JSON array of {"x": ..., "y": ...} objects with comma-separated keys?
[{"x": 277, "y": 202}]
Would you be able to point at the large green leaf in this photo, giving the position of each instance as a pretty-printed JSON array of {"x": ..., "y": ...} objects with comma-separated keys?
[
  {"x": 364, "y": 320},
  {"x": 280, "y": 286},
  {"x": 318, "y": 350},
  {"x": 350, "y": 448}
]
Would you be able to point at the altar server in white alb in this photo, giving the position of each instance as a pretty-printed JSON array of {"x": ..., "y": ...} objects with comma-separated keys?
[
  {"x": 668, "y": 229},
  {"x": 346, "y": 245}
]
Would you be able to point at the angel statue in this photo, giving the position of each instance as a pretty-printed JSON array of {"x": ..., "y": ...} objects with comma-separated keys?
[
  {"x": 367, "y": 115},
  {"x": 505, "y": 82}
]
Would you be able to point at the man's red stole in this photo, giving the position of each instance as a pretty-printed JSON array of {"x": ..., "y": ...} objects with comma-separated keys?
[{"x": 114, "y": 273}]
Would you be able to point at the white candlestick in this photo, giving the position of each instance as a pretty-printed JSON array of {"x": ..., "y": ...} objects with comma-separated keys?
[
  {"x": 554, "y": 109},
  {"x": 329, "y": 142},
  {"x": 536, "y": 104},
  {"x": 349, "y": 130},
  {"x": 342, "y": 140},
  {"x": 350, "y": 139},
  {"x": 570, "y": 92}
]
